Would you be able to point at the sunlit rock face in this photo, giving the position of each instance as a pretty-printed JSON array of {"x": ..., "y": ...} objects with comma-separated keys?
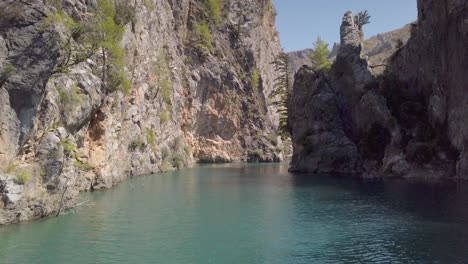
[
  {"x": 71, "y": 134},
  {"x": 401, "y": 101}
]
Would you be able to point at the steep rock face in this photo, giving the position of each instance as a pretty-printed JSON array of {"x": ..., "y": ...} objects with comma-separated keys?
[
  {"x": 319, "y": 141},
  {"x": 28, "y": 55},
  {"x": 393, "y": 104},
  {"x": 62, "y": 132},
  {"x": 297, "y": 59},
  {"x": 434, "y": 64},
  {"x": 379, "y": 49}
]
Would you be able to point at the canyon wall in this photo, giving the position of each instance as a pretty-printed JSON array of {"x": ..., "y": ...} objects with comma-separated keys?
[
  {"x": 398, "y": 111},
  {"x": 193, "y": 88}
]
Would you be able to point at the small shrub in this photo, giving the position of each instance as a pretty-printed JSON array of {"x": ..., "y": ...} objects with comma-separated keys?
[
  {"x": 76, "y": 96},
  {"x": 203, "y": 39},
  {"x": 214, "y": 10},
  {"x": 68, "y": 146},
  {"x": 136, "y": 144},
  {"x": 164, "y": 75},
  {"x": 83, "y": 166},
  {"x": 166, "y": 91},
  {"x": 119, "y": 81},
  {"x": 273, "y": 139},
  {"x": 270, "y": 7},
  {"x": 164, "y": 116},
  {"x": 7, "y": 71},
  {"x": 22, "y": 177},
  {"x": 177, "y": 160},
  {"x": 165, "y": 166},
  {"x": 43, "y": 175},
  {"x": 150, "y": 137},
  {"x": 71, "y": 100},
  {"x": 10, "y": 169},
  {"x": 255, "y": 79},
  {"x": 187, "y": 150},
  {"x": 185, "y": 127}
]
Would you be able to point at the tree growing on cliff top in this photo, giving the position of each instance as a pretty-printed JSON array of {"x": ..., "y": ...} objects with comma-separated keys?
[
  {"x": 362, "y": 18},
  {"x": 319, "y": 58},
  {"x": 281, "y": 91}
]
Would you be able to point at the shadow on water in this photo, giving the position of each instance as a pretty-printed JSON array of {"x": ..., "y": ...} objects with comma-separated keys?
[
  {"x": 425, "y": 199},
  {"x": 427, "y": 219}
]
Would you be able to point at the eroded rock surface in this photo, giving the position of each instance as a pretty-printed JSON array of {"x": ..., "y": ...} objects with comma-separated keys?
[
  {"x": 65, "y": 132},
  {"x": 401, "y": 104}
]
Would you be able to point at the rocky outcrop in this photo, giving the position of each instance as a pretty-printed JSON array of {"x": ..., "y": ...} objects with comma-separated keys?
[
  {"x": 434, "y": 63},
  {"x": 388, "y": 111},
  {"x": 297, "y": 59},
  {"x": 319, "y": 140},
  {"x": 376, "y": 50},
  {"x": 198, "y": 93}
]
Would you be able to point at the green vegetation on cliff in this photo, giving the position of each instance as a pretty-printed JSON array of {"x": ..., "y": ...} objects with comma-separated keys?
[
  {"x": 362, "y": 18},
  {"x": 108, "y": 35},
  {"x": 319, "y": 58},
  {"x": 281, "y": 92},
  {"x": 255, "y": 79},
  {"x": 162, "y": 70},
  {"x": 214, "y": 10},
  {"x": 102, "y": 33},
  {"x": 203, "y": 39}
]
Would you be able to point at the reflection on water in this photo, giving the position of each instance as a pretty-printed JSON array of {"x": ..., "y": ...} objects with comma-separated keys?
[{"x": 251, "y": 214}]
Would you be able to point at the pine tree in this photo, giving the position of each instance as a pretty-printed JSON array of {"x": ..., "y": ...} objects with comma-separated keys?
[
  {"x": 319, "y": 58},
  {"x": 281, "y": 89},
  {"x": 362, "y": 18},
  {"x": 108, "y": 35}
]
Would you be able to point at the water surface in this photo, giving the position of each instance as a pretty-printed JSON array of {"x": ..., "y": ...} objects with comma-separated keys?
[{"x": 251, "y": 214}]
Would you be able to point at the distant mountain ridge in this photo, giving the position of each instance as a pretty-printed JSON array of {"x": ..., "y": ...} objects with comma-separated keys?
[{"x": 375, "y": 49}]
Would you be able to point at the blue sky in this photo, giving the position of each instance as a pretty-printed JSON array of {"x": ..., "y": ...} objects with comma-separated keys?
[{"x": 299, "y": 22}]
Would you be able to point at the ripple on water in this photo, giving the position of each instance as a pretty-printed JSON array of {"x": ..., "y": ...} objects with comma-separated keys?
[{"x": 250, "y": 214}]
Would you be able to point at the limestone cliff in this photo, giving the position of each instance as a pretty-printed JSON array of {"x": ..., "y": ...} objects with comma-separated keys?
[
  {"x": 199, "y": 78},
  {"x": 400, "y": 111}
]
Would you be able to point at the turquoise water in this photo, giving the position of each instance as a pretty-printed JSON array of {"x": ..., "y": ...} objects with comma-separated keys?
[{"x": 251, "y": 214}]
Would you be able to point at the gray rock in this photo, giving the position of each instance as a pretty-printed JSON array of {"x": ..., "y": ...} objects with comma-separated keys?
[
  {"x": 403, "y": 120},
  {"x": 10, "y": 192},
  {"x": 350, "y": 37},
  {"x": 32, "y": 53},
  {"x": 62, "y": 133},
  {"x": 51, "y": 155},
  {"x": 195, "y": 107},
  {"x": 319, "y": 142}
]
